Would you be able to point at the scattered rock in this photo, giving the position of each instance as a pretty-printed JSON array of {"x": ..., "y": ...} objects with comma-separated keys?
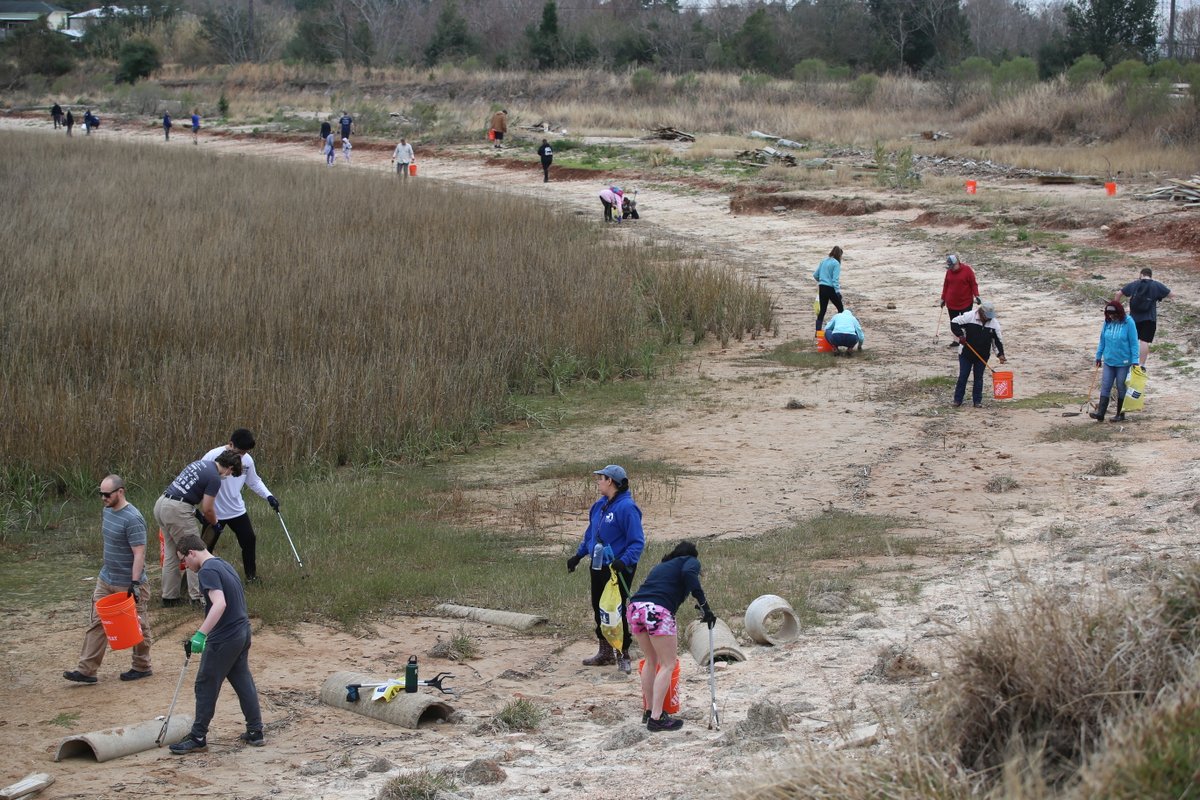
[
  {"x": 359, "y": 774},
  {"x": 606, "y": 714},
  {"x": 897, "y": 663},
  {"x": 866, "y": 621},
  {"x": 380, "y": 764},
  {"x": 625, "y": 736},
  {"x": 799, "y": 707},
  {"x": 313, "y": 768},
  {"x": 794, "y": 404},
  {"x": 865, "y": 736},
  {"x": 483, "y": 771},
  {"x": 828, "y": 603},
  {"x": 891, "y": 306},
  {"x": 763, "y": 719},
  {"x": 514, "y": 675}
]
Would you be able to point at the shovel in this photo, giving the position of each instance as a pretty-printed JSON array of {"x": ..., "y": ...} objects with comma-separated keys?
[
  {"x": 1087, "y": 400},
  {"x": 714, "y": 717}
]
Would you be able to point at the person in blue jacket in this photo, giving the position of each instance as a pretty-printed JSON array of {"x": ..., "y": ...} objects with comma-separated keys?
[
  {"x": 1117, "y": 352},
  {"x": 614, "y": 537},
  {"x": 651, "y": 614},
  {"x": 828, "y": 276},
  {"x": 844, "y": 330}
]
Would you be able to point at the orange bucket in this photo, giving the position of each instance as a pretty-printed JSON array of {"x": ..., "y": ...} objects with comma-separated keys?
[
  {"x": 971, "y": 186},
  {"x": 671, "y": 702},
  {"x": 412, "y": 170},
  {"x": 1110, "y": 189},
  {"x": 118, "y": 615},
  {"x": 822, "y": 345},
  {"x": 1002, "y": 385},
  {"x": 491, "y": 135}
]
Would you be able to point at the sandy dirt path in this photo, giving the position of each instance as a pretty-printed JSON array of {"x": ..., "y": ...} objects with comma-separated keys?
[{"x": 866, "y": 440}]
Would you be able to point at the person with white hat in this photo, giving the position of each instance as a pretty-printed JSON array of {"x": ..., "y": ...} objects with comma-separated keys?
[{"x": 980, "y": 329}]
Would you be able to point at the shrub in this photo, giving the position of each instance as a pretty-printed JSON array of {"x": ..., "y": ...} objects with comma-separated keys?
[
  {"x": 976, "y": 68},
  {"x": 863, "y": 88},
  {"x": 137, "y": 58},
  {"x": 1014, "y": 75},
  {"x": 1128, "y": 74},
  {"x": 810, "y": 70},
  {"x": 643, "y": 81},
  {"x": 1086, "y": 69}
]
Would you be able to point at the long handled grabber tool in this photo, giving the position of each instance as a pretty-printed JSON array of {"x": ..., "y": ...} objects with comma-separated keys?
[
  {"x": 1087, "y": 401},
  {"x": 162, "y": 733},
  {"x": 714, "y": 717},
  {"x": 289, "y": 538},
  {"x": 937, "y": 330}
]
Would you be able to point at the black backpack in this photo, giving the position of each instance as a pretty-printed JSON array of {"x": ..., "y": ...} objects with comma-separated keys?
[{"x": 1141, "y": 303}]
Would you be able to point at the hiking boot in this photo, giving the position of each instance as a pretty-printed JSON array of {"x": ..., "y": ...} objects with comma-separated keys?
[
  {"x": 252, "y": 738},
  {"x": 604, "y": 656},
  {"x": 189, "y": 745},
  {"x": 79, "y": 677},
  {"x": 1101, "y": 408},
  {"x": 664, "y": 723},
  {"x": 1120, "y": 415},
  {"x": 957, "y": 403},
  {"x": 623, "y": 664},
  {"x": 645, "y": 716},
  {"x": 136, "y": 674}
]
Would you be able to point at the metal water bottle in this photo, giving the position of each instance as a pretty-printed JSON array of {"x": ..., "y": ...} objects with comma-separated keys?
[{"x": 410, "y": 675}]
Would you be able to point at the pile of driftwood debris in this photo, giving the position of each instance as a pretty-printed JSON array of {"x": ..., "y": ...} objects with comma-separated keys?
[
  {"x": 765, "y": 155},
  {"x": 1186, "y": 192},
  {"x": 671, "y": 134}
]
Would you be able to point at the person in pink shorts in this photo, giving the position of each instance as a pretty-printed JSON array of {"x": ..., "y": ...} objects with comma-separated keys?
[{"x": 651, "y": 616}]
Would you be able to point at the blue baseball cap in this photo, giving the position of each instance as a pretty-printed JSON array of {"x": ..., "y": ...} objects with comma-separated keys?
[{"x": 617, "y": 473}]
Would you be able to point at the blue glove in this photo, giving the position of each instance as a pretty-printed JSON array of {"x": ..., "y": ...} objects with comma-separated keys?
[
  {"x": 199, "y": 515},
  {"x": 273, "y": 503}
]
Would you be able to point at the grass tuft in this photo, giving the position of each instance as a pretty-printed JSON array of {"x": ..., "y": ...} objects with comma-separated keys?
[
  {"x": 1108, "y": 467},
  {"x": 420, "y": 785},
  {"x": 1000, "y": 484},
  {"x": 519, "y": 715}
]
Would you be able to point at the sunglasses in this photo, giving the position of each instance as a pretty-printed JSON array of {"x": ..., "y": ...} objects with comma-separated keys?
[{"x": 107, "y": 495}]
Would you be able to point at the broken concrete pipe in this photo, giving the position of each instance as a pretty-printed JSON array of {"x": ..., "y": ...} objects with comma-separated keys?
[
  {"x": 489, "y": 616},
  {"x": 725, "y": 647},
  {"x": 771, "y": 620},
  {"x": 405, "y": 710},
  {"x": 124, "y": 741}
]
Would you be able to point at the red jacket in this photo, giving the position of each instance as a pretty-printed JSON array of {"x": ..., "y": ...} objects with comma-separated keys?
[{"x": 959, "y": 288}]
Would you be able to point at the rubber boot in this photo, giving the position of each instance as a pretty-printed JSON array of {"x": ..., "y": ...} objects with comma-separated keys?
[
  {"x": 1120, "y": 415},
  {"x": 623, "y": 663},
  {"x": 1101, "y": 408},
  {"x": 604, "y": 657}
]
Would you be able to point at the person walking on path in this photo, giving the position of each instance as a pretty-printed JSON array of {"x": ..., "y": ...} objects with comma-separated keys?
[
  {"x": 499, "y": 126},
  {"x": 828, "y": 276},
  {"x": 346, "y": 148},
  {"x": 166, "y": 123},
  {"x": 326, "y": 129},
  {"x": 195, "y": 126},
  {"x": 959, "y": 292},
  {"x": 1144, "y": 296},
  {"x": 403, "y": 156},
  {"x": 89, "y": 122},
  {"x": 347, "y": 124},
  {"x": 124, "y": 570},
  {"x": 231, "y": 510},
  {"x": 56, "y": 114},
  {"x": 69, "y": 121},
  {"x": 980, "y": 329},
  {"x": 330, "y": 152},
  {"x": 223, "y": 644},
  {"x": 611, "y": 198},
  {"x": 650, "y": 614},
  {"x": 546, "y": 154},
  {"x": 844, "y": 330},
  {"x": 614, "y": 537},
  {"x": 1116, "y": 353},
  {"x": 176, "y": 514}
]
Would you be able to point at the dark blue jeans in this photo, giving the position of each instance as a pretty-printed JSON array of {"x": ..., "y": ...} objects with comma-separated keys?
[
  {"x": 228, "y": 660},
  {"x": 846, "y": 340},
  {"x": 967, "y": 362}
]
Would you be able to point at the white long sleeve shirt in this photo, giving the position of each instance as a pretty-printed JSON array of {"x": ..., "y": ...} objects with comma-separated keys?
[
  {"x": 403, "y": 153},
  {"x": 228, "y": 503}
]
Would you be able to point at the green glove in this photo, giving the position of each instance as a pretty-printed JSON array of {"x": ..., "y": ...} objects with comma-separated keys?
[{"x": 198, "y": 640}]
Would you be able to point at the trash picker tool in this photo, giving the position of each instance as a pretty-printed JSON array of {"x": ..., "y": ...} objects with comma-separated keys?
[
  {"x": 714, "y": 717},
  {"x": 162, "y": 734},
  {"x": 981, "y": 358},
  {"x": 353, "y": 696},
  {"x": 1087, "y": 401},
  {"x": 289, "y": 538},
  {"x": 938, "y": 328}
]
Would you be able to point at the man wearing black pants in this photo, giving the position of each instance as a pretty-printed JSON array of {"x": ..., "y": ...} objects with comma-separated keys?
[
  {"x": 223, "y": 642},
  {"x": 231, "y": 511}
]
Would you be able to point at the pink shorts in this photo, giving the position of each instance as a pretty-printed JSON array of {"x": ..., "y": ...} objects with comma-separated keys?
[{"x": 650, "y": 618}]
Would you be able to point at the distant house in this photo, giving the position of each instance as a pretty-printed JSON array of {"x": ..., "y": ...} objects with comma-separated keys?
[{"x": 17, "y": 13}]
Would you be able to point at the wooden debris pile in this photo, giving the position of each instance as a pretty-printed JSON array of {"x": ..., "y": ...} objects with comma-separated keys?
[
  {"x": 671, "y": 134},
  {"x": 765, "y": 155},
  {"x": 540, "y": 127},
  {"x": 1186, "y": 192}
]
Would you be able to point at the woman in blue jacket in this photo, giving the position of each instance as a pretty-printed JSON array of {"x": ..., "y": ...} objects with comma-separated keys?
[
  {"x": 614, "y": 537},
  {"x": 828, "y": 276},
  {"x": 1117, "y": 352}
]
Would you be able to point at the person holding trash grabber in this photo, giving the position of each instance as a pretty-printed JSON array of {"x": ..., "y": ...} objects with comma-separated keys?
[
  {"x": 650, "y": 612},
  {"x": 959, "y": 289},
  {"x": 124, "y": 570},
  {"x": 1116, "y": 353},
  {"x": 828, "y": 276},
  {"x": 614, "y": 537},
  {"x": 980, "y": 329},
  {"x": 223, "y": 643},
  {"x": 231, "y": 511}
]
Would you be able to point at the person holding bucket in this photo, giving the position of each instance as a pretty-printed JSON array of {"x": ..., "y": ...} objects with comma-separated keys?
[
  {"x": 402, "y": 156},
  {"x": 1116, "y": 353},
  {"x": 651, "y": 616},
  {"x": 980, "y": 329},
  {"x": 123, "y": 574},
  {"x": 828, "y": 276},
  {"x": 844, "y": 330}
]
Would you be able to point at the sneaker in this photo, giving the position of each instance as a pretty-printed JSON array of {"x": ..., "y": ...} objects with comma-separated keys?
[
  {"x": 978, "y": 405},
  {"x": 189, "y": 745},
  {"x": 79, "y": 677},
  {"x": 252, "y": 738},
  {"x": 136, "y": 674},
  {"x": 957, "y": 403},
  {"x": 952, "y": 344},
  {"x": 664, "y": 723},
  {"x": 624, "y": 666},
  {"x": 645, "y": 716}
]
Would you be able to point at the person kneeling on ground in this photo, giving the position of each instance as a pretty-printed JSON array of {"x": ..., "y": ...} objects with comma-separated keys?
[
  {"x": 223, "y": 643},
  {"x": 843, "y": 330},
  {"x": 979, "y": 329},
  {"x": 629, "y": 207},
  {"x": 651, "y": 616}
]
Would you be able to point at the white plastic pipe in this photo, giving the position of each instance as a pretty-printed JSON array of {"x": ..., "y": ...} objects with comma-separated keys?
[
  {"x": 772, "y": 608},
  {"x": 117, "y": 742}
]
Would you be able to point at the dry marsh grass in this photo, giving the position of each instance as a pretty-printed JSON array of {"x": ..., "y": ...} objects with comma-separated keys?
[{"x": 168, "y": 297}]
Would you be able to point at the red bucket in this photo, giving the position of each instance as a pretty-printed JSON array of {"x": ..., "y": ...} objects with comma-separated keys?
[
  {"x": 412, "y": 170},
  {"x": 671, "y": 702},
  {"x": 118, "y": 615}
]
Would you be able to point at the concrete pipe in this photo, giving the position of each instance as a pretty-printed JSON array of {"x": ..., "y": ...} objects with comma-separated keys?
[
  {"x": 771, "y": 620},
  {"x": 125, "y": 741},
  {"x": 405, "y": 710},
  {"x": 505, "y": 619},
  {"x": 725, "y": 647}
]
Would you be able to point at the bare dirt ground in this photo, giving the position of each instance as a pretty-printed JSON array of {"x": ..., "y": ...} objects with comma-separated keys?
[{"x": 866, "y": 439}]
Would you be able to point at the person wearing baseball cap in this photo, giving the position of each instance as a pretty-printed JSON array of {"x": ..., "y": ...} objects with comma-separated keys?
[
  {"x": 614, "y": 537},
  {"x": 980, "y": 329},
  {"x": 959, "y": 288}
]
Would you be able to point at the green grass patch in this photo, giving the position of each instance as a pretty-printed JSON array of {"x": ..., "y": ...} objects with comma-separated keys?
[
  {"x": 802, "y": 353},
  {"x": 66, "y": 719},
  {"x": 846, "y": 534},
  {"x": 1046, "y": 400},
  {"x": 520, "y": 715},
  {"x": 1108, "y": 467},
  {"x": 421, "y": 785},
  {"x": 1078, "y": 432}
]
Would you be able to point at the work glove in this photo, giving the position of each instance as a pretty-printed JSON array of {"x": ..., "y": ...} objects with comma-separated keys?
[
  {"x": 196, "y": 643},
  {"x": 199, "y": 515},
  {"x": 1097, "y": 362},
  {"x": 707, "y": 616},
  {"x": 273, "y": 503},
  {"x": 619, "y": 565},
  {"x": 133, "y": 591},
  {"x": 218, "y": 526},
  {"x": 962, "y": 340},
  {"x": 573, "y": 562},
  {"x": 942, "y": 304}
]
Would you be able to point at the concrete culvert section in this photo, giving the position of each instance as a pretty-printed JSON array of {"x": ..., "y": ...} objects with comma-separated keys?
[
  {"x": 771, "y": 620},
  {"x": 725, "y": 647},
  {"x": 123, "y": 741},
  {"x": 505, "y": 619},
  {"x": 405, "y": 710}
]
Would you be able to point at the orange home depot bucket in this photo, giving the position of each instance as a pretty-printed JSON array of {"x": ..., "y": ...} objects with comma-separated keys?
[
  {"x": 118, "y": 615},
  {"x": 671, "y": 702},
  {"x": 822, "y": 345},
  {"x": 1002, "y": 385},
  {"x": 412, "y": 170},
  {"x": 1110, "y": 189},
  {"x": 971, "y": 187},
  {"x": 491, "y": 135}
]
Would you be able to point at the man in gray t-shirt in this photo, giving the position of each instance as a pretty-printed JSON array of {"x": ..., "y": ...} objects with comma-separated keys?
[
  {"x": 1144, "y": 295},
  {"x": 124, "y": 571}
]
